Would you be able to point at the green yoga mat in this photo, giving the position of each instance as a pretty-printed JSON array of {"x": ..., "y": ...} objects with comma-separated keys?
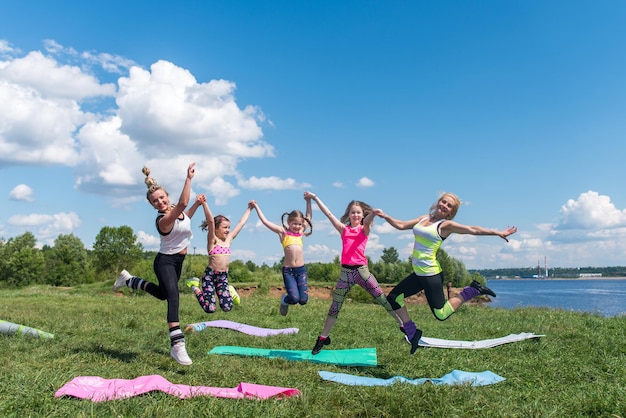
[{"x": 351, "y": 357}]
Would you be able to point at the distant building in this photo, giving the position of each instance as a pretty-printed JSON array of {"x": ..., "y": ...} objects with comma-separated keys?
[{"x": 590, "y": 275}]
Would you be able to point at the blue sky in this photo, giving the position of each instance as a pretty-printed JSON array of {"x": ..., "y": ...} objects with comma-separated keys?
[{"x": 518, "y": 107}]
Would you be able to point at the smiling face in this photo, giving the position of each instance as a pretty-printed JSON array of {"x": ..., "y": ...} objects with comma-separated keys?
[
  {"x": 296, "y": 225},
  {"x": 222, "y": 229},
  {"x": 159, "y": 200},
  {"x": 355, "y": 214},
  {"x": 447, "y": 206}
]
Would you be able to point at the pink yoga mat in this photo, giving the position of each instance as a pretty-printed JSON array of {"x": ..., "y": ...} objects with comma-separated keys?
[{"x": 98, "y": 389}]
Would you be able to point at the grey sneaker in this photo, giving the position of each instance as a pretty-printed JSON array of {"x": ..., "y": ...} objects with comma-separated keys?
[
  {"x": 179, "y": 353},
  {"x": 284, "y": 307},
  {"x": 122, "y": 280}
]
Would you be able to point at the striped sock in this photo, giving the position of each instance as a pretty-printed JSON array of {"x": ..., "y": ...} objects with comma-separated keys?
[
  {"x": 136, "y": 283},
  {"x": 176, "y": 335}
]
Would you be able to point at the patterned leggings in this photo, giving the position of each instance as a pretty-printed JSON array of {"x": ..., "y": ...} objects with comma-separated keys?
[
  {"x": 348, "y": 278},
  {"x": 214, "y": 287}
]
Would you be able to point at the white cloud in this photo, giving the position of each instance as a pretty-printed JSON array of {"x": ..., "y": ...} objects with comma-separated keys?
[
  {"x": 272, "y": 183},
  {"x": 338, "y": 184},
  {"x": 5, "y": 46},
  {"x": 590, "y": 211},
  {"x": 22, "y": 192},
  {"x": 320, "y": 253},
  {"x": 365, "y": 182},
  {"x": 158, "y": 113},
  {"x": 149, "y": 242},
  {"x": 47, "y": 227},
  {"x": 166, "y": 109}
]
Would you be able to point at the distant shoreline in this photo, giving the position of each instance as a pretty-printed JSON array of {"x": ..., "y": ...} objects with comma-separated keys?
[{"x": 559, "y": 278}]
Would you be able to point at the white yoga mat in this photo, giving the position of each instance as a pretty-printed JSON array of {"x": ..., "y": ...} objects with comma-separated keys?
[{"x": 511, "y": 338}]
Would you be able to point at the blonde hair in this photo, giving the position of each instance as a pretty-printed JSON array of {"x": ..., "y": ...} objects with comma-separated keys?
[
  {"x": 151, "y": 183},
  {"x": 456, "y": 203},
  {"x": 296, "y": 214},
  {"x": 345, "y": 218}
]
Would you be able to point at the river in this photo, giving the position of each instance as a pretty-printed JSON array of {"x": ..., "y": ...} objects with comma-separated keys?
[{"x": 607, "y": 297}]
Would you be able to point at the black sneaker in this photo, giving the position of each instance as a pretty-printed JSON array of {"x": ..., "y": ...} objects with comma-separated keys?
[
  {"x": 416, "y": 340},
  {"x": 319, "y": 344},
  {"x": 484, "y": 290}
]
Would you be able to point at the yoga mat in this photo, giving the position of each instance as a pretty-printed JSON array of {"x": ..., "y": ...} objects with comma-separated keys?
[
  {"x": 10, "y": 328},
  {"x": 98, "y": 389},
  {"x": 511, "y": 338},
  {"x": 351, "y": 357},
  {"x": 246, "y": 329},
  {"x": 455, "y": 377}
]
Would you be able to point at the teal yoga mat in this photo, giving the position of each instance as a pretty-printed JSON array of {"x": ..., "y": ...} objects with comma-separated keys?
[{"x": 351, "y": 357}]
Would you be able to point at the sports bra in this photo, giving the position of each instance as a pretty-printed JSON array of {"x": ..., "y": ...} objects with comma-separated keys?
[
  {"x": 292, "y": 239},
  {"x": 219, "y": 250}
]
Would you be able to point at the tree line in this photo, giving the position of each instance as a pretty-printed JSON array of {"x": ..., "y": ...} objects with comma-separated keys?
[{"x": 68, "y": 263}]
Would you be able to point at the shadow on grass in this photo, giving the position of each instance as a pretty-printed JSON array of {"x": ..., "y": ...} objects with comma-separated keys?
[{"x": 95, "y": 348}]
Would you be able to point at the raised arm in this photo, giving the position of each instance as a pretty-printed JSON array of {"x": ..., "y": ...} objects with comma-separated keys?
[
  {"x": 166, "y": 223},
  {"x": 332, "y": 218},
  {"x": 367, "y": 222},
  {"x": 210, "y": 223},
  {"x": 244, "y": 218},
  {"x": 196, "y": 204},
  {"x": 308, "y": 211},
  {"x": 271, "y": 226},
  {"x": 450, "y": 227},
  {"x": 401, "y": 225}
]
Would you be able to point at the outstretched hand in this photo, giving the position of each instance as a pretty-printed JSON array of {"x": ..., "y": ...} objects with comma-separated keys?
[{"x": 508, "y": 231}]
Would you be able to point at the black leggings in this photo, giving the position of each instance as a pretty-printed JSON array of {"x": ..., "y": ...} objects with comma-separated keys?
[
  {"x": 413, "y": 284},
  {"x": 168, "y": 269}
]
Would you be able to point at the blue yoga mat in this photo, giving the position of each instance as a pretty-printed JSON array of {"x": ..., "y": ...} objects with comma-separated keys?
[
  {"x": 351, "y": 357},
  {"x": 455, "y": 377}
]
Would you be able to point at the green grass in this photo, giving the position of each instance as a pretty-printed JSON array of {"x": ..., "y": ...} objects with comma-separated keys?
[{"x": 577, "y": 370}]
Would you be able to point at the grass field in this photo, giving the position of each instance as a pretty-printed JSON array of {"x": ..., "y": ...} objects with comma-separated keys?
[{"x": 577, "y": 370}]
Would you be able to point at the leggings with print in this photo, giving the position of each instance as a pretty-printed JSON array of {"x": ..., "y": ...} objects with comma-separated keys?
[
  {"x": 351, "y": 275},
  {"x": 214, "y": 288},
  {"x": 296, "y": 285}
]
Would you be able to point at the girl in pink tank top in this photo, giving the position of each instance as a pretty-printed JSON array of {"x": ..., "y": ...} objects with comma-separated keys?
[{"x": 354, "y": 228}]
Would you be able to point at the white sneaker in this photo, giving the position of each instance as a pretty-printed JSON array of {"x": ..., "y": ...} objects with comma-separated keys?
[
  {"x": 179, "y": 353},
  {"x": 121, "y": 280}
]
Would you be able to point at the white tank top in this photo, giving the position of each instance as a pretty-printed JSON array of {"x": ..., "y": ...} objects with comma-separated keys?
[{"x": 178, "y": 238}]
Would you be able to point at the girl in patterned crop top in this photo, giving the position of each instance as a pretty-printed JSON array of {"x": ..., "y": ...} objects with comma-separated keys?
[
  {"x": 294, "y": 270},
  {"x": 430, "y": 230},
  {"x": 354, "y": 228},
  {"x": 214, "y": 287}
]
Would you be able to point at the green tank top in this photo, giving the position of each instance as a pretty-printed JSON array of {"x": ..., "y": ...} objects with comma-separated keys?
[{"x": 427, "y": 242}]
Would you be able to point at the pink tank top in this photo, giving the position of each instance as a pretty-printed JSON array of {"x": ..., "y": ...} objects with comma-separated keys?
[{"x": 353, "y": 249}]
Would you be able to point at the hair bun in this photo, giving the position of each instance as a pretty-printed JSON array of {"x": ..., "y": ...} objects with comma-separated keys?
[{"x": 150, "y": 182}]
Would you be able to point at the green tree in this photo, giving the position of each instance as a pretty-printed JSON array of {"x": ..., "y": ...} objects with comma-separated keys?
[
  {"x": 67, "y": 263},
  {"x": 238, "y": 272},
  {"x": 21, "y": 263},
  {"x": 116, "y": 249},
  {"x": 390, "y": 256},
  {"x": 323, "y": 272}
]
